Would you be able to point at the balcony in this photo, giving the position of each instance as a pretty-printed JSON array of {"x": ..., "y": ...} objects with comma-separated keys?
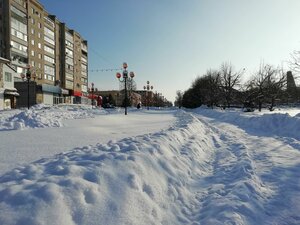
[{"x": 84, "y": 48}]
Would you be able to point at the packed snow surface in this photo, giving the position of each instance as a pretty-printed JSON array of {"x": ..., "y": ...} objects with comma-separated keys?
[{"x": 155, "y": 167}]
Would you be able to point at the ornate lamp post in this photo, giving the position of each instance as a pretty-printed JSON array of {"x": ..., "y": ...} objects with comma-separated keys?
[
  {"x": 147, "y": 88},
  {"x": 28, "y": 78},
  {"x": 125, "y": 79}
]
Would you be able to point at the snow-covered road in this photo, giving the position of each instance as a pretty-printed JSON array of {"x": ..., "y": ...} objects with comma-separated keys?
[{"x": 171, "y": 168}]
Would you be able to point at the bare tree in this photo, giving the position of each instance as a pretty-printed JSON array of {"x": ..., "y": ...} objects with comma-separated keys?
[
  {"x": 294, "y": 63},
  {"x": 267, "y": 84},
  {"x": 213, "y": 79},
  {"x": 230, "y": 80}
]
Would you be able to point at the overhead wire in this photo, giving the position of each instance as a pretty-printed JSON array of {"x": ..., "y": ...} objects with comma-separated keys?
[{"x": 104, "y": 59}]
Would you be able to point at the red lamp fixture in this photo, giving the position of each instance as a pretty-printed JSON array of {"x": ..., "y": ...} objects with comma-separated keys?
[{"x": 118, "y": 75}]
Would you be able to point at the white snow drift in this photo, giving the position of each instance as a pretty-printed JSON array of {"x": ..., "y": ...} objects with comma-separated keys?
[{"x": 207, "y": 167}]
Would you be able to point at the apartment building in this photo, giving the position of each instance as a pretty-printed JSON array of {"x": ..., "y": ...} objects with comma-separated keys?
[{"x": 57, "y": 55}]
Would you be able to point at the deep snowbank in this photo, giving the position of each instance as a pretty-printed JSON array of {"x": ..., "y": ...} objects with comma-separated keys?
[
  {"x": 41, "y": 116},
  {"x": 139, "y": 180},
  {"x": 273, "y": 123}
]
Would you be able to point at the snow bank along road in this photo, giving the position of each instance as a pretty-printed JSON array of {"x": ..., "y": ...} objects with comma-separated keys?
[{"x": 204, "y": 168}]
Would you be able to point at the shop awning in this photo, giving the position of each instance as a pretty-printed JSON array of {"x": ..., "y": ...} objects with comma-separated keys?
[
  {"x": 11, "y": 91},
  {"x": 77, "y": 93},
  {"x": 51, "y": 88}
]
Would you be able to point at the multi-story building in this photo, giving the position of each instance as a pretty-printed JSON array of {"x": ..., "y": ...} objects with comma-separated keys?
[{"x": 57, "y": 55}]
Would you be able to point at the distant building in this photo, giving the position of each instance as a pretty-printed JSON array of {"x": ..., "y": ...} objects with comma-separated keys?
[
  {"x": 117, "y": 97},
  {"x": 57, "y": 55}
]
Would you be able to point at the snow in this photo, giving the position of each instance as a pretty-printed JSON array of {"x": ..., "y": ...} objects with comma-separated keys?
[{"x": 76, "y": 165}]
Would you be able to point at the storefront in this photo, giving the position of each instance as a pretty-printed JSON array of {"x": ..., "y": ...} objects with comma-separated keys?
[
  {"x": 50, "y": 94},
  {"x": 77, "y": 97}
]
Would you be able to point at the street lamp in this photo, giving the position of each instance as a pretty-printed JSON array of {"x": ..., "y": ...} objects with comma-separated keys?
[
  {"x": 92, "y": 95},
  {"x": 28, "y": 77},
  {"x": 125, "y": 79},
  {"x": 147, "y": 88}
]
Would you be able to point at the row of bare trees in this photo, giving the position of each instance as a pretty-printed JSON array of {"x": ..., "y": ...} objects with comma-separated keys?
[{"x": 223, "y": 88}]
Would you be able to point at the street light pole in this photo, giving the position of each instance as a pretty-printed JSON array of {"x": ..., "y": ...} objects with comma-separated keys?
[
  {"x": 125, "y": 79},
  {"x": 147, "y": 88},
  {"x": 92, "y": 95},
  {"x": 28, "y": 78}
]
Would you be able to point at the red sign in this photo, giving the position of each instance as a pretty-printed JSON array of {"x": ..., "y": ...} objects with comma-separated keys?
[{"x": 77, "y": 93}]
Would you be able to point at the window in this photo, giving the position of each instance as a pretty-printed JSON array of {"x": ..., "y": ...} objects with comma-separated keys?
[
  {"x": 17, "y": 11},
  {"x": 18, "y": 34},
  {"x": 32, "y": 63},
  {"x": 40, "y": 56},
  {"x": 49, "y": 72},
  {"x": 39, "y": 45},
  {"x": 32, "y": 52},
  {"x": 32, "y": 10},
  {"x": 19, "y": 47},
  {"x": 32, "y": 42},
  {"x": 21, "y": 2},
  {"x": 69, "y": 53},
  {"x": 39, "y": 35},
  {"x": 49, "y": 21},
  {"x": 48, "y": 49},
  {"x": 69, "y": 61},
  {"x": 69, "y": 44},
  {"x": 32, "y": 31},
  {"x": 49, "y": 59},
  {"x": 69, "y": 76},
  {"x": 39, "y": 25},
  {"x": 69, "y": 37},
  {"x": 69, "y": 84},
  {"x": 49, "y": 40},
  {"x": 49, "y": 33},
  {"x": 83, "y": 67},
  {"x": 18, "y": 25},
  {"x": 32, "y": 20},
  {"x": 69, "y": 67},
  {"x": 8, "y": 77}
]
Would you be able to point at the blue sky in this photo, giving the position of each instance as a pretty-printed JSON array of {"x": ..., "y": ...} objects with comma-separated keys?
[{"x": 171, "y": 42}]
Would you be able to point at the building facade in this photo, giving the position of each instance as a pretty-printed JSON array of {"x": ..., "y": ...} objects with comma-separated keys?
[
  {"x": 8, "y": 93},
  {"x": 57, "y": 55}
]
